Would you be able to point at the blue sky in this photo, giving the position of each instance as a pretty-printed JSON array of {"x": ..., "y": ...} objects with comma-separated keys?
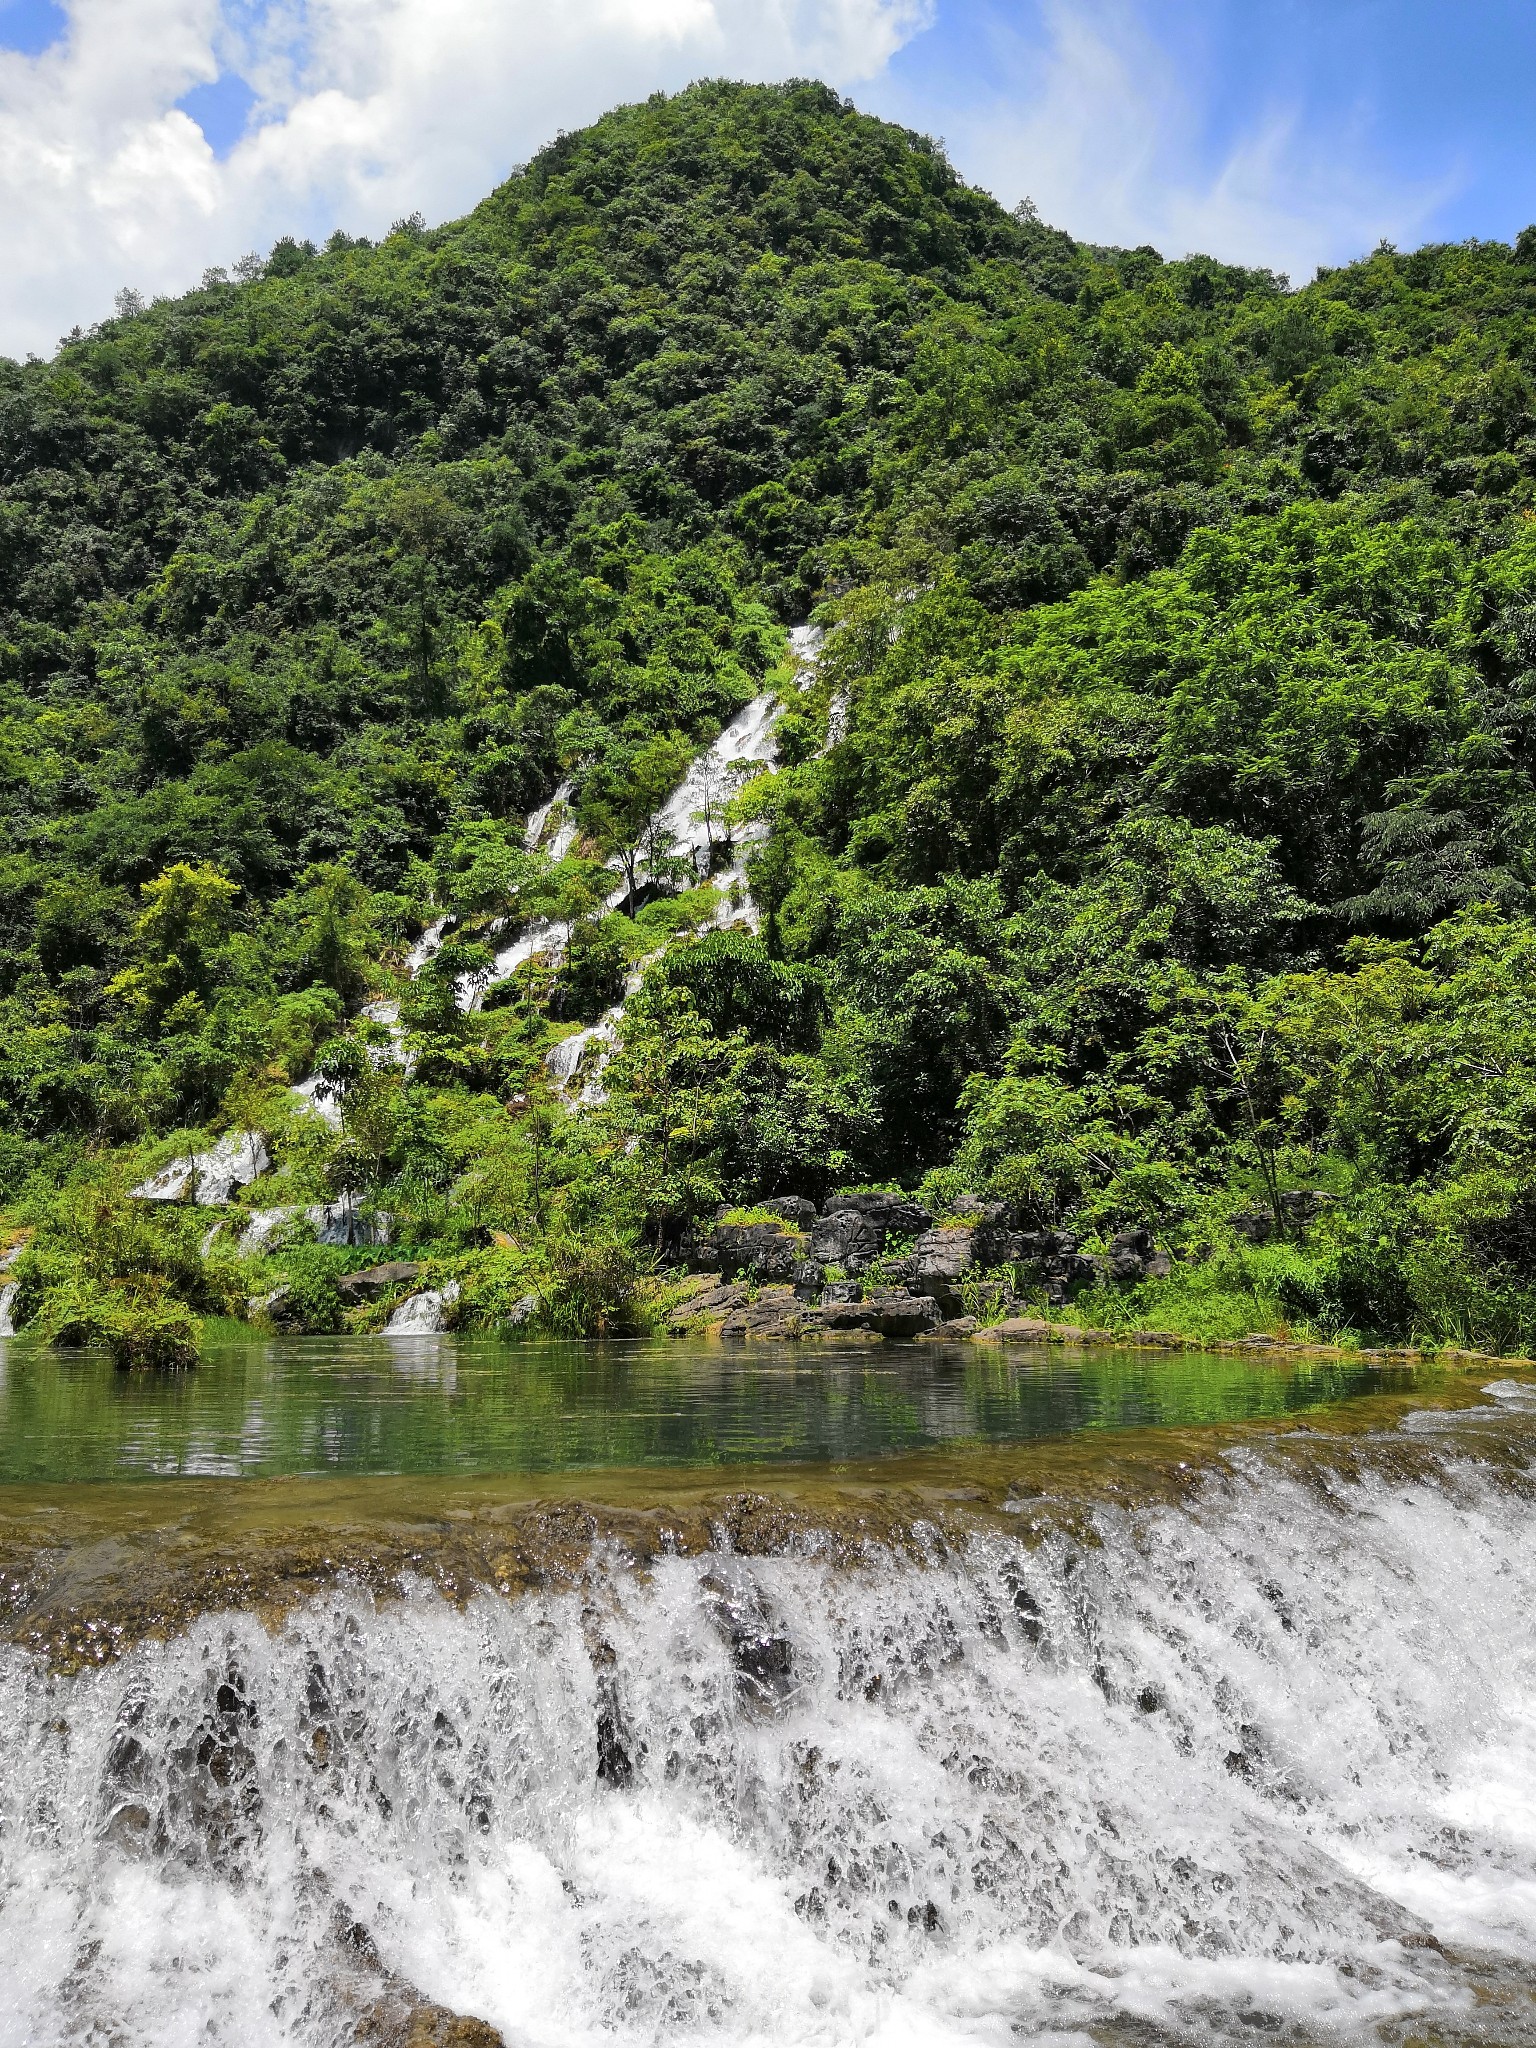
[
  {"x": 144, "y": 140},
  {"x": 1417, "y": 115}
]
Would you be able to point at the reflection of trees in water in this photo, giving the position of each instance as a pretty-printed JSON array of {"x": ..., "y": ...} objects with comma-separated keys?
[{"x": 359, "y": 1405}]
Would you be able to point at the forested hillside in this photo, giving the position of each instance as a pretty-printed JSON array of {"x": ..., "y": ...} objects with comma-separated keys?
[{"x": 1154, "y": 839}]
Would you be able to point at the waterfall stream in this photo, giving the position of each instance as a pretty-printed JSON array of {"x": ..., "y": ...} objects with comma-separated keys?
[{"x": 1262, "y": 1768}]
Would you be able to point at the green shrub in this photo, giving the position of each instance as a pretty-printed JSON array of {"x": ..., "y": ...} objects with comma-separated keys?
[
  {"x": 143, "y": 1327},
  {"x": 592, "y": 1287}
]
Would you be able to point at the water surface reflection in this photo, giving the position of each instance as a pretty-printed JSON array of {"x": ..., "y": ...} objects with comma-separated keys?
[{"x": 437, "y": 1404}]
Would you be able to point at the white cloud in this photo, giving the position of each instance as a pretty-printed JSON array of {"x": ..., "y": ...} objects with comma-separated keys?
[
  {"x": 367, "y": 110},
  {"x": 1109, "y": 134}
]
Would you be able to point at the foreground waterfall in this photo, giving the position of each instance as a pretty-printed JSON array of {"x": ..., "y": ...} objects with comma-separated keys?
[{"x": 1261, "y": 1770}]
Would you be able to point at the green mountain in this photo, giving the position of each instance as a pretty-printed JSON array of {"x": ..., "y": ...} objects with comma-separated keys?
[{"x": 1153, "y": 839}]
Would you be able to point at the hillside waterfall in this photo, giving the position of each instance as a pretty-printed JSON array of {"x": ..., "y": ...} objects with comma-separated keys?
[{"x": 1260, "y": 1769}]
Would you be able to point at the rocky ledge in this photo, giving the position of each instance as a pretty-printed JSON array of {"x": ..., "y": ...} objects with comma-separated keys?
[
  {"x": 736, "y": 1311},
  {"x": 955, "y": 1262}
]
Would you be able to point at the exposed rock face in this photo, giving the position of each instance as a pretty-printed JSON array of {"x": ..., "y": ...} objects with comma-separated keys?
[
  {"x": 265, "y": 1227},
  {"x": 847, "y": 1239},
  {"x": 211, "y": 1178},
  {"x": 1132, "y": 1256},
  {"x": 377, "y": 1280},
  {"x": 759, "y": 1644},
  {"x": 941, "y": 1259},
  {"x": 344, "y": 1223},
  {"x": 705, "y": 1307},
  {"x": 856, "y": 1224},
  {"x": 795, "y": 1210},
  {"x": 1299, "y": 1207},
  {"x": 333, "y": 1223},
  {"x": 776, "y": 1313},
  {"x": 894, "y": 1313},
  {"x": 1062, "y": 1268},
  {"x": 765, "y": 1250},
  {"x": 897, "y": 1215}
]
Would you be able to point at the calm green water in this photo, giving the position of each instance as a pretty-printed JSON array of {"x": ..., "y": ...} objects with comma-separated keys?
[{"x": 335, "y": 1405}]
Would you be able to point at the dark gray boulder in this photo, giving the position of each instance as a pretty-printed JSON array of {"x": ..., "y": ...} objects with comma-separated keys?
[
  {"x": 897, "y": 1215},
  {"x": 377, "y": 1280},
  {"x": 847, "y": 1238},
  {"x": 761, "y": 1251},
  {"x": 893, "y": 1313}
]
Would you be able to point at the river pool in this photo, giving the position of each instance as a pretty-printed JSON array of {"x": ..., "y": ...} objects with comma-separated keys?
[{"x": 359, "y": 1405}]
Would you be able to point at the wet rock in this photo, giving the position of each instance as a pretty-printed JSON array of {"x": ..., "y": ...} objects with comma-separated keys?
[
  {"x": 615, "y": 1766},
  {"x": 424, "y": 1314},
  {"x": 341, "y": 1223},
  {"x": 405, "y": 2022},
  {"x": 759, "y": 1645},
  {"x": 211, "y": 1178},
  {"x": 377, "y": 1280},
  {"x": 264, "y": 1228},
  {"x": 344, "y": 1223}
]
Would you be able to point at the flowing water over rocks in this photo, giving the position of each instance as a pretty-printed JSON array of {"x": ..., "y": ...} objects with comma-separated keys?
[{"x": 1250, "y": 1762}]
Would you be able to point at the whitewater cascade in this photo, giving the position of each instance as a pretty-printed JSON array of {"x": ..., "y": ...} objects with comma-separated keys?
[
  {"x": 1261, "y": 1769},
  {"x": 687, "y": 828}
]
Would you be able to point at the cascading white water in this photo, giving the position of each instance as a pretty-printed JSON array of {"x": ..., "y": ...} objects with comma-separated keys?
[
  {"x": 8, "y": 1294},
  {"x": 556, "y": 844},
  {"x": 1220, "y": 1775}
]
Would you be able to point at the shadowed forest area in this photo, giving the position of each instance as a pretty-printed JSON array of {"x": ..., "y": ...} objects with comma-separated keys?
[{"x": 1151, "y": 847}]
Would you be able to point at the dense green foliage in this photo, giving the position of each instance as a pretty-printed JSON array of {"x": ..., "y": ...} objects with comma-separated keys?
[{"x": 1174, "y": 846}]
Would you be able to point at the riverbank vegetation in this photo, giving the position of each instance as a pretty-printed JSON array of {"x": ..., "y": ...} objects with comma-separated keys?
[{"x": 1152, "y": 845}]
